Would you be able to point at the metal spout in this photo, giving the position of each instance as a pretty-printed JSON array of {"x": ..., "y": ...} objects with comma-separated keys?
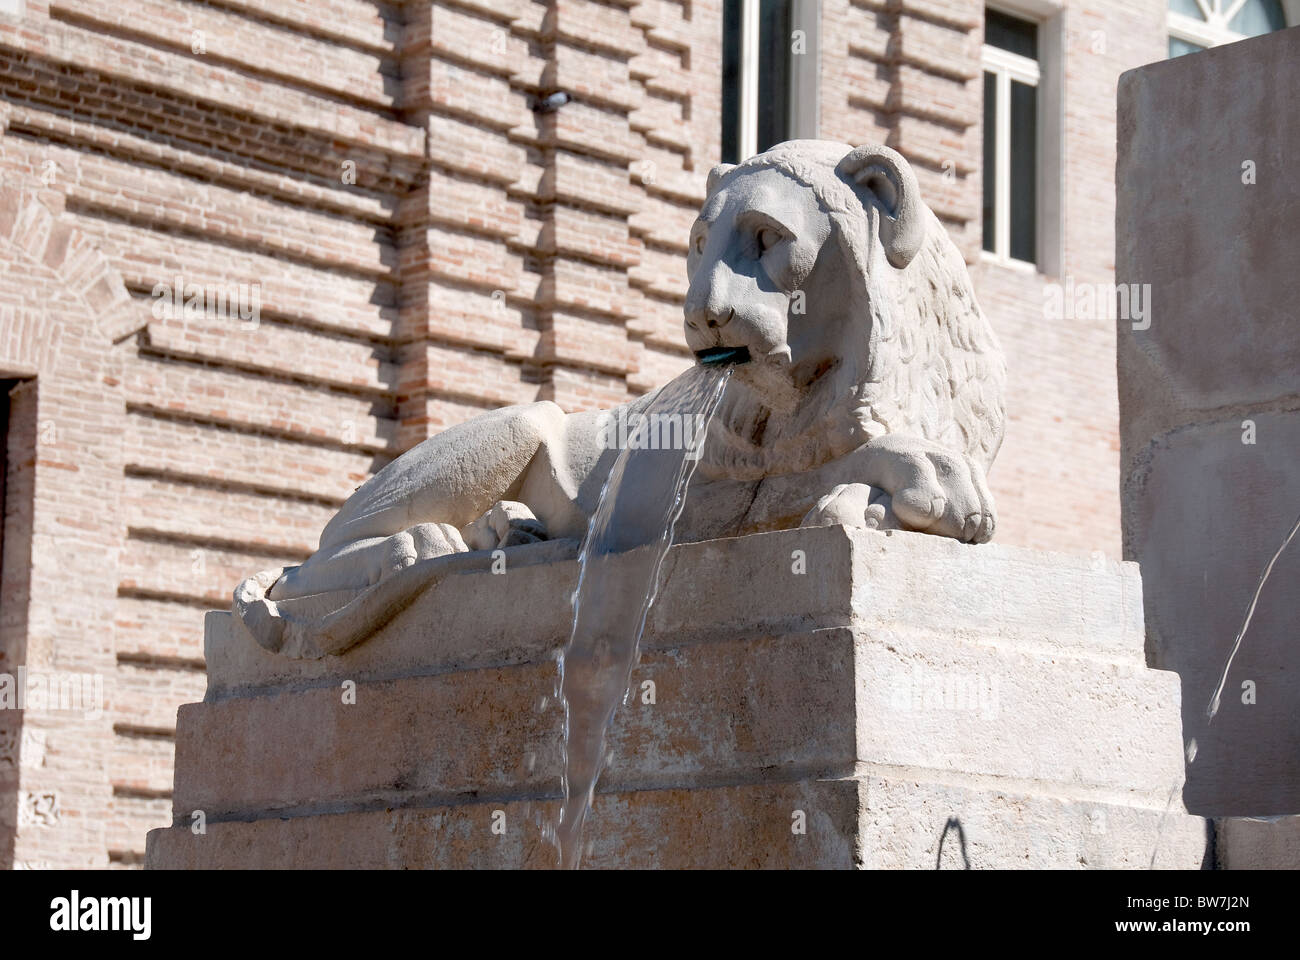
[{"x": 716, "y": 356}]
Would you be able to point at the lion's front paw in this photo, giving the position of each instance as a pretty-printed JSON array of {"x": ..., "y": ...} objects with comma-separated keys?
[
  {"x": 938, "y": 491},
  {"x": 507, "y": 524},
  {"x": 852, "y": 505}
]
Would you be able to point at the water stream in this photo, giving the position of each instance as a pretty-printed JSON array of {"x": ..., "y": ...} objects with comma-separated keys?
[
  {"x": 1215, "y": 699},
  {"x": 618, "y": 577}
]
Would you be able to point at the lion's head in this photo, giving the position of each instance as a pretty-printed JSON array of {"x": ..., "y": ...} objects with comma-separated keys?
[{"x": 856, "y": 309}]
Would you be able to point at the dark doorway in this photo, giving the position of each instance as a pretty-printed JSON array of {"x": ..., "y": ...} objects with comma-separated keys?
[{"x": 18, "y": 426}]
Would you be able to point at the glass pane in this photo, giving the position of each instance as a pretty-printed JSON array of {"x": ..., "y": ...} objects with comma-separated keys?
[
  {"x": 1179, "y": 47},
  {"x": 1258, "y": 17},
  {"x": 990, "y": 157},
  {"x": 1188, "y": 8},
  {"x": 1011, "y": 33},
  {"x": 731, "y": 81},
  {"x": 773, "y": 72},
  {"x": 1024, "y": 171}
]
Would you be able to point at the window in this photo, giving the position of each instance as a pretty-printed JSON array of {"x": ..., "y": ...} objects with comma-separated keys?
[
  {"x": 769, "y": 74},
  {"x": 1197, "y": 24},
  {"x": 1011, "y": 138}
]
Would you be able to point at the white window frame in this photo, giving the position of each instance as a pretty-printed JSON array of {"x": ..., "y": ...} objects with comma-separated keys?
[
  {"x": 805, "y": 72},
  {"x": 1006, "y": 67},
  {"x": 804, "y": 119},
  {"x": 747, "y": 139},
  {"x": 1213, "y": 31},
  {"x": 1049, "y": 15}
]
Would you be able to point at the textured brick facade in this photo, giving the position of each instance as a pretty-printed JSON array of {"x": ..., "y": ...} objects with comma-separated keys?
[{"x": 425, "y": 244}]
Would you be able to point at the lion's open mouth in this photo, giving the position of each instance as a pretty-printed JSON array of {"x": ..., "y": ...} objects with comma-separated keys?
[{"x": 716, "y": 356}]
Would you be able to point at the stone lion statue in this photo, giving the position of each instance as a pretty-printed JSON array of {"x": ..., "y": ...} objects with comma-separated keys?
[{"x": 872, "y": 397}]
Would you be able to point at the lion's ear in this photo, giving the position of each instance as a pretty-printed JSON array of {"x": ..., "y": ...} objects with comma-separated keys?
[
  {"x": 716, "y": 175},
  {"x": 889, "y": 184}
]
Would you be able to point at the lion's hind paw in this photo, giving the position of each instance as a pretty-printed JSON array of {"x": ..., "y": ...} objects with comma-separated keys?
[{"x": 507, "y": 524}]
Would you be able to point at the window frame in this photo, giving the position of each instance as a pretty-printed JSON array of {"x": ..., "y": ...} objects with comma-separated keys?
[
  {"x": 803, "y": 111},
  {"x": 1213, "y": 31},
  {"x": 1049, "y": 16},
  {"x": 1006, "y": 67}
]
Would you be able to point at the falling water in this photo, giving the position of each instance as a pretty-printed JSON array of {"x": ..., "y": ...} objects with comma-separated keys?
[
  {"x": 614, "y": 595},
  {"x": 1213, "y": 708}
]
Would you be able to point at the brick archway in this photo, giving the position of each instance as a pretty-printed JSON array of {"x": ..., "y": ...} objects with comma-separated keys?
[{"x": 62, "y": 309}]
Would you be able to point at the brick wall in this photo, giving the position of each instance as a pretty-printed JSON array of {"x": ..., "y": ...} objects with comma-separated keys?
[
  {"x": 255, "y": 143},
  {"x": 62, "y": 309},
  {"x": 426, "y": 245}
]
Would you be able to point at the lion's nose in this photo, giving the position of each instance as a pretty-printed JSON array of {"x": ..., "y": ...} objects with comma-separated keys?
[{"x": 698, "y": 318}]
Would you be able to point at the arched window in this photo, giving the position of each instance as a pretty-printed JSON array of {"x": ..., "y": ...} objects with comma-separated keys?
[{"x": 1197, "y": 24}]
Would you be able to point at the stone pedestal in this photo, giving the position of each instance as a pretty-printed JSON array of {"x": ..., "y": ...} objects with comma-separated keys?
[
  {"x": 1210, "y": 406},
  {"x": 805, "y": 698}
]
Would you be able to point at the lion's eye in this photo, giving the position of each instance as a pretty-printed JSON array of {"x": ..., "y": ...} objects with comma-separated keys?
[
  {"x": 699, "y": 243},
  {"x": 768, "y": 238}
]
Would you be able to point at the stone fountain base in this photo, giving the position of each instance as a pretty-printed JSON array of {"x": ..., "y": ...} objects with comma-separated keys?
[{"x": 805, "y": 698}]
